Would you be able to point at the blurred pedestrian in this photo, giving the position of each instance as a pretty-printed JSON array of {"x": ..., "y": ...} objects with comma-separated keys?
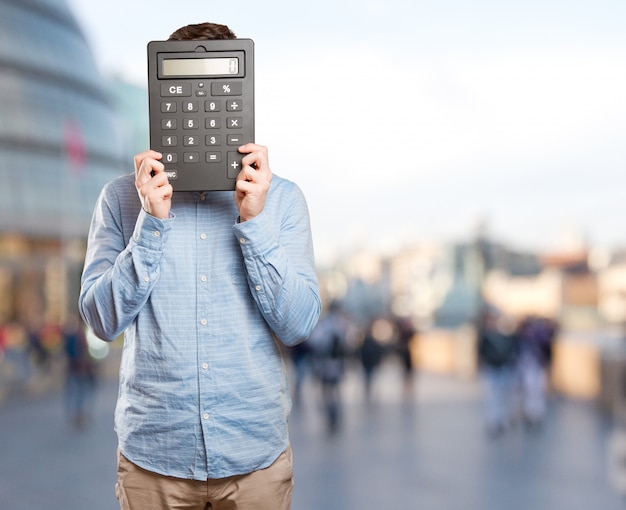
[
  {"x": 300, "y": 355},
  {"x": 36, "y": 349},
  {"x": 406, "y": 336},
  {"x": 371, "y": 354},
  {"x": 329, "y": 349},
  {"x": 80, "y": 379},
  {"x": 536, "y": 336},
  {"x": 498, "y": 353}
]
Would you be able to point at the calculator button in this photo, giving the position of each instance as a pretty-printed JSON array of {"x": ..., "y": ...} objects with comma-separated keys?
[
  {"x": 191, "y": 157},
  {"x": 234, "y": 123},
  {"x": 201, "y": 93},
  {"x": 168, "y": 107},
  {"x": 170, "y": 157},
  {"x": 172, "y": 174},
  {"x": 212, "y": 106},
  {"x": 234, "y": 105},
  {"x": 234, "y": 140},
  {"x": 233, "y": 164},
  {"x": 190, "y": 106},
  {"x": 168, "y": 124},
  {"x": 175, "y": 89},
  {"x": 190, "y": 124},
  {"x": 213, "y": 140},
  {"x": 213, "y": 123},
  {"x": 189, "y": 141},
  {"x": 169, "y": 141},
  {"x": 213, "y": 157},
  {"x": 230, "y": 88}
]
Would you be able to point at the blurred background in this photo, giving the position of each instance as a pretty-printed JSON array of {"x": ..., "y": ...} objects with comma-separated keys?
[{"x": 459, "y": 159}]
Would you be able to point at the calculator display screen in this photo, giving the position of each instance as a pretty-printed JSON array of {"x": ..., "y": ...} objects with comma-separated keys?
[{"x": 200, "y": 66}]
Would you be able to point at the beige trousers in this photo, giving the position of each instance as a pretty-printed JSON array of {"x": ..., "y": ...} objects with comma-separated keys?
[{"x": 265, "y": 489}]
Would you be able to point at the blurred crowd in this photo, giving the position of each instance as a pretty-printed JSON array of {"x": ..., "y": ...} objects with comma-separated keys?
[
  {"x": 337, "y": 343},
  {"x": 50, "y": 354},
  {"x": 513, "y": 356}
]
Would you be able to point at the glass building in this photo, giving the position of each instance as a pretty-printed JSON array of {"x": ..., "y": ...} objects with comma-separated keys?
[{"x": 60, "y": 141}]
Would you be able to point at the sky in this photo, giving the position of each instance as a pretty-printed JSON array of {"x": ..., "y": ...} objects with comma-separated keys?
[{"x": 408, "y": 121}]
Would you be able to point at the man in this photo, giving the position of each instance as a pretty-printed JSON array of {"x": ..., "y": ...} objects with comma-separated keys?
[{"x": 204, "y": 287}]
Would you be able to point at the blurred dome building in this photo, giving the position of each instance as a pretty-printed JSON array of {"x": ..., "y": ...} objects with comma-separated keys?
[{"x": 60, "y": 141}]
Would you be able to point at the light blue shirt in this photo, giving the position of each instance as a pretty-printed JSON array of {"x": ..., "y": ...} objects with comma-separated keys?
[{"x": 203, "y": 302}]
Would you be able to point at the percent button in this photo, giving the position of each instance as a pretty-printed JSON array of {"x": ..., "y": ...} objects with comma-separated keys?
[{"x": 231, "y": 88}]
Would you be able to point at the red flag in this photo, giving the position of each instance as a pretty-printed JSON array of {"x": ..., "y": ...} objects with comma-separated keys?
[{"x": 75, "y": 148}]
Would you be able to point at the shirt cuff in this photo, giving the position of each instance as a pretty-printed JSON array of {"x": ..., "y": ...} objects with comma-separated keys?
[
  {"x": 151, "y": 232},
  {"x": 255, "y": 236}
]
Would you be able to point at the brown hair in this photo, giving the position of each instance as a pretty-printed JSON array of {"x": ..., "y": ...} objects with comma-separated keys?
[{"x": 201, "y": 32}]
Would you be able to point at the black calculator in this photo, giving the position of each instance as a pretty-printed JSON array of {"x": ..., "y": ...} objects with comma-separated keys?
[{"x": 201, "y": 106}]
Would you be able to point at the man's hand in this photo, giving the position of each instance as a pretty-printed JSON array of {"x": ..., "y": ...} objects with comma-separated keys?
[
  {"x": 153, "y": 187},
  {"x": 253, "y": 181}
]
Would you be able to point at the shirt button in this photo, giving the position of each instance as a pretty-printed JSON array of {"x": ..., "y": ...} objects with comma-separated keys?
[
  {"x": 203, "y": 278},
  {"x": 205, "y": 416},
  {"x": 258, "y": 287},
  {"x": 243, "y": 240},
  {"x": 205, "y": 366},
  {"x": 203, "y": 322},
  {"x": 202, "y": 236},
  {"x": 146, "y": 279},
  {"x": 157, "y": 233}
]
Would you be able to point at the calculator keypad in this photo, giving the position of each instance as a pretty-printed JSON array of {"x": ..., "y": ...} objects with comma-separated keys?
[{"x": 201, "y": 125}]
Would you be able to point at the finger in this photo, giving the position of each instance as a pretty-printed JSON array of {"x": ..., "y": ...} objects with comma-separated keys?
[
  {"x": 251, "y": 147},
  {"x": 243, "y": 186},
  {"x": 149, "y": 169},
  {"x": 247, "y": 173},
  {"x": 138, "y": 159}
]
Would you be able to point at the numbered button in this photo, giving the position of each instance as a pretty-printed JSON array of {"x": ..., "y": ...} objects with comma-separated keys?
[
  {"x": 190, "y": 106},
  {"x": 190, "y": 141},
  {"x": 212, "y": 106},
  {"x": 168, "y": 124},
  {"x": 169, "y": 141},
  {"x": 213, "y": 140},
  {"x": 213, "y": 123},
  {"x": 190, "y": 124},
  {"x": 170, "y": 157},
  {"x": 168, "y": 107}
]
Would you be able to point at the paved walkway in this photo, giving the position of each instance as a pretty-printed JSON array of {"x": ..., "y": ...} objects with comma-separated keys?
[{"x": 429, "y": 452}]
